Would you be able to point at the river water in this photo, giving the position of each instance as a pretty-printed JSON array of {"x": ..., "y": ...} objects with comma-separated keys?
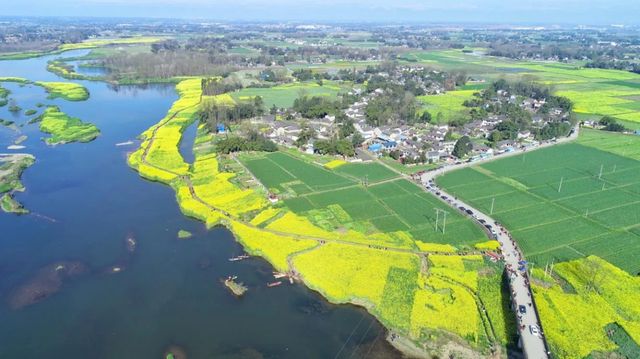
[{"x": 85, "y": 201}]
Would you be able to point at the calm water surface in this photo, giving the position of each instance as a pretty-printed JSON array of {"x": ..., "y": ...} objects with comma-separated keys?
[{"x": 85, "y": 202}]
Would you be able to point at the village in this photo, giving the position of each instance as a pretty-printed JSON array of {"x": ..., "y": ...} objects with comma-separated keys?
[{"x": 418, "y": 143}]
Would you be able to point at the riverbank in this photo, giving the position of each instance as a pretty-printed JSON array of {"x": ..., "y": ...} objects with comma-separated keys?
[{"x": 343, "y": 266}]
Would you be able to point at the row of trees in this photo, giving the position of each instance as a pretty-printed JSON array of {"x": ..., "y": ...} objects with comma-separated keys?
[
  {"x": 213, "y": 113},
  {"x": 316, "y": 106},
  {"x": 610, "y": 124},
  {"x": 615, "y": 65},
  {"x": 213, "y": 86},
  {"x": 252, "y": 141}
]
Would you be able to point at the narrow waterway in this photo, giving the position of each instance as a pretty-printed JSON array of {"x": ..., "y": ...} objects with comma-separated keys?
[{"x": 85, "y": 202}]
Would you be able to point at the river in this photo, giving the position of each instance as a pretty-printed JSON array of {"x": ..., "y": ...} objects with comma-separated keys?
[{"x": 85, "y": 201}]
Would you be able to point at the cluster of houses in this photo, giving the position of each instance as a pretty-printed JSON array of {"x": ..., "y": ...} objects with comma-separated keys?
[
  {"x": 431, "y": 82},
  {"x": 417, "y": 143}
]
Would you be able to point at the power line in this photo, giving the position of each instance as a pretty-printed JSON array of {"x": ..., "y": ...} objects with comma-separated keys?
[
  {"x": 362, "y": 338},
  {"x": 349, "y": 338}
]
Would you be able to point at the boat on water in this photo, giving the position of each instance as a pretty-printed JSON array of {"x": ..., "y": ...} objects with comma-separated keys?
[
  {"x": 127, "y": 143},
  {"x": 131, "y": 244},
  {"x": 278, "y": 275},
  {"x": 238, "y": 258},
  {"x": 274, "y": 284}
]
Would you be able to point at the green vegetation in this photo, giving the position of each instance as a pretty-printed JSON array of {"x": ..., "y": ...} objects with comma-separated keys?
[
  {"x": 463, "y": 147},
  {"x": 594, "y": 92},
  {"x": 89, "y": 44},
  {"x": 30, "y": 112},
  {"x": 10, "y": 205},
  {"x": 577, "y": 322},
  {"x": 14, "y": 108},
  {"x": 589, "y": 213},
  {"x": 283, "y": 96},
  {"x": 11, "y": 168},
  {"x": 4, "y": 93},
  {"x": 67, "y": 90},
  {"x": 6, "y": 123},
  {"x": 338, "y": 196},
  {"x": 182, "y": 234},
  {"x": 65, "y": 129},
  {"x": 447, "y": 106},
  {"x": 622, "y": 145},
  {"x": 60, "y": 68},
  {"x": 332, "y": 243}
]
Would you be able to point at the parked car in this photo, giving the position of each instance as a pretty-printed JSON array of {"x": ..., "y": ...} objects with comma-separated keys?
[
  {"x": 522, "y": 309},
  {"x": 469, "y": 211}
]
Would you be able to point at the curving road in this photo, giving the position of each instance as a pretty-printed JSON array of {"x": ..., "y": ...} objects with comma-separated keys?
[{"x": 532, "y": 339}]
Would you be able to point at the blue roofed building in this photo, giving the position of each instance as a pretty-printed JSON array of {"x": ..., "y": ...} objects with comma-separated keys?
[{"x": 376, "y": 147}]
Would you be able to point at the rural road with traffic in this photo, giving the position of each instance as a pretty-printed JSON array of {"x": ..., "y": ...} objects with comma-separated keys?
[{"x": 529, "y": 328}]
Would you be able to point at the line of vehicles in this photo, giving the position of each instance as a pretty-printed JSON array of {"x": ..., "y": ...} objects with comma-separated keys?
[{"x": 431, "y": 186}]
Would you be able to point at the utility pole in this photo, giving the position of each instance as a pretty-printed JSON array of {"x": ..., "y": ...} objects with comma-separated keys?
[
  {"x": 493, "y": 200},
  {"x": 600, "y": 175},
  {"x": 444, "y": 224},
  {"x": 560, "y": 187}
]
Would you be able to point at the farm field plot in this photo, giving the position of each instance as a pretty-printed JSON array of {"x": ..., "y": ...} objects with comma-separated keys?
[
  {"x": 387, "y": 206},
  {"x": 373, "y": 172},
  {"x": 284, "y": 95},
  {"x": 399, "y": 205},
  {"x": 624, "y": 145},
  {"x": 446, "y": 106},
  {"x": 557, "y": 202},
  {"x": 595, "y": 92},
  {"x": 277, "y": 170}
]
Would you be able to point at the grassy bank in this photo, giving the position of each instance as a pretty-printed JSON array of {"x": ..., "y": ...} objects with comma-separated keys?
[
  {"x": 346, "y": 263},
  {"x": 65, "y": 129},
  {"x": 67, "y": 90}
]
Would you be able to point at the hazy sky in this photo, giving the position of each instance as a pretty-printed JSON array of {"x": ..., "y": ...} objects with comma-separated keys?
[{"x": 487, "y": 11}]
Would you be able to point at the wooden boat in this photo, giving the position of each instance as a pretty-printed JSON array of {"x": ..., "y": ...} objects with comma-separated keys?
[{"x": 238, "y": 258}]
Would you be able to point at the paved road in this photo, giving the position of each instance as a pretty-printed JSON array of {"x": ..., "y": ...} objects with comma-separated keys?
[{"x": 534, "y": 346}]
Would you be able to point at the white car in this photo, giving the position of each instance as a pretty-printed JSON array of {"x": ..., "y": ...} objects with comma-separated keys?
[{"x": 534, "y": 330}]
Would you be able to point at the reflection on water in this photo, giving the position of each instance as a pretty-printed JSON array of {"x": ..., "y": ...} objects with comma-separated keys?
[{"x": 167, "y": 294}]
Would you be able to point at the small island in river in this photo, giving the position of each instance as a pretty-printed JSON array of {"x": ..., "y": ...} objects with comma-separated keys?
[
  {"x": 237, "y": 288},
  {"x": 64, "y": 128},
  {"x": 11, "y": 168}
]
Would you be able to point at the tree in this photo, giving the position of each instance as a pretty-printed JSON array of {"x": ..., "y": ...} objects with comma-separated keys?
[
  {"x": 357, "y": 139},
  {"x": 463, "y": 147},
  {"x": 449, "y": 136},
  {"x": 425, "y": 117},
  {"x": 273, "y": 110},
  {"x": 610, "y": 124},
  {"x": 495, "y": 137},
  {"x": 345, "y": 148},
  {"x": 306, "y": 133}
]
